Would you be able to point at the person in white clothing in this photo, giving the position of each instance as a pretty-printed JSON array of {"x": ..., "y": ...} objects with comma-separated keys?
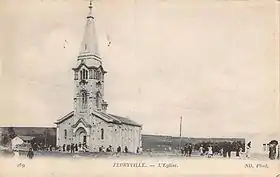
[
  {"x": 201, "y": 150},
  {"x": 210, "y": 152},
  {"x": 248, "y": 148},
  {"x": 16, "y": 154}
]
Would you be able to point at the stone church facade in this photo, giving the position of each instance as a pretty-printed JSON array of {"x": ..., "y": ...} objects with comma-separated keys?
[{"x": 90, "y": 123}]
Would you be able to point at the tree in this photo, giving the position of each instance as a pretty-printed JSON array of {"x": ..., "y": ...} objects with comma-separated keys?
[
  {"x": 4, "y": 139},
  {"x": 11, "y": 133}
]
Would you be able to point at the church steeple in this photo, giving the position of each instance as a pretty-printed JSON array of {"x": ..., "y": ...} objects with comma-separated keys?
[
  {"x": 89, "y": 47},
  {"x": 89, "y": 74}
]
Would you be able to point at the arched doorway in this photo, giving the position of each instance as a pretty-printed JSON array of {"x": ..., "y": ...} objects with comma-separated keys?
[{"x": 81, "y": 136}]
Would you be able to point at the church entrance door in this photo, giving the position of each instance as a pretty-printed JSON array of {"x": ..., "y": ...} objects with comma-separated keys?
[
  {"x": 85, "y": 140},
  {"x": 81, "y": 136}
]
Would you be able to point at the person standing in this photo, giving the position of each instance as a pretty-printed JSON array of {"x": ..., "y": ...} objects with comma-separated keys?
[
  {"x": 30, "y": 153},
  {"x": 80, "y": 146},
  {"x": 248, "y": 148},
  {"x": 72, "y": 148},
  {"x": 201, "y": 150},
  {"x": 119, "y": 150},
  {"x": 141, "y": 150},
  {"x": 190, "y": 150},
  {"x": 182, "y": 151},
  {"x": 125, "y": 149},
  {"x": 185, "y": 150},
  {"x": 210, "y": 151},
  {"x": 237, "y": 150},
  {"x": 229, "y": 150},
  {"x": 16, "y": 154},
  {"x": 225, "y": 149}
]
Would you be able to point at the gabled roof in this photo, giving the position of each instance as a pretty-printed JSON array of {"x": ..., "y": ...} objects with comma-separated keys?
[
  {"x": 106, "y": 117},
  {"x": 89, "y": 67},
  {"x": 110, "y": 118},
  {"x": 126, "y": 121},
  {"x": 67, "y": 116},
  {"x": 26, "y": 138},
  {"x": 83, "y": 64}
]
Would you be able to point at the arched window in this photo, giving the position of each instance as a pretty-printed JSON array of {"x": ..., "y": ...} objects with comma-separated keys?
[
  {"x": 98, "y": 75},
  {"x": 102, "y": 133},
  {"x": 97, "y": 100},
  {"x": 65, "y": 134},
  {"x": 90, "y": 74},
  {"x": 84, "y": 100},
  {"x": 84, "y": 74},
  {"x": 94, "y": 74}
]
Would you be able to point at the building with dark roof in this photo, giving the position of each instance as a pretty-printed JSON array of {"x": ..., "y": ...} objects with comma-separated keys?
[{"x": 89, "y": 123}]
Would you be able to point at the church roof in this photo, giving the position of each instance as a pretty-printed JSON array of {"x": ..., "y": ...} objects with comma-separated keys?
[
  {"x": 66, "y": 117},
  {"x": 89, "y": 42},
  {"x": 125, "y": 120},
  {"x": 106, "y": 117},
  {"x": 110, "y": 118}
]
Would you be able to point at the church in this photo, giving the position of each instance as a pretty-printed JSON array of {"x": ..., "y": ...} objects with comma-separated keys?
[{"x": 89, "y": 123}]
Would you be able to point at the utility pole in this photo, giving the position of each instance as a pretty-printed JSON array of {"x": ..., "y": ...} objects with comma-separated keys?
[{"x": 180, "y": 132}]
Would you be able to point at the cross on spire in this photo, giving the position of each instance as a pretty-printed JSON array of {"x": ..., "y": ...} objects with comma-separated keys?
[
  {"x": 90, "y": 4},
  {"x": 90, "y": 10}
]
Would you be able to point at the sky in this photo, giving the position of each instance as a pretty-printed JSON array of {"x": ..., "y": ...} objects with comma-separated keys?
[{"x": 214, "y": 62}]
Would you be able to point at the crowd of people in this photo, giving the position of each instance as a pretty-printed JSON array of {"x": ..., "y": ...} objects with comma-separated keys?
[
  {"x": 204, "y": 149},
  {"x": 73, "y": 148},
  {"x": 224, "y": 149}
]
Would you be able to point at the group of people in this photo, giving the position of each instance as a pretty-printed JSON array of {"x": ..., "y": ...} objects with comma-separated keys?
[
  {"x": 72, "y": 148},
  {"x": 187, "y": 150},
  {"x": 223, "y": 149},
  {"x": 119, "y": 149},
  {"x": 110, "y": 149},
  {"x": 30, "y": 153}
]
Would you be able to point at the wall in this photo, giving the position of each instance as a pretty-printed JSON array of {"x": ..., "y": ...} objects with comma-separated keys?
[{"x": 60, "y": 132}]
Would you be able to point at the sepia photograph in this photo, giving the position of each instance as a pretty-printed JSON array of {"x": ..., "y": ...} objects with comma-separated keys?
[{"x": 139, "y": 87}]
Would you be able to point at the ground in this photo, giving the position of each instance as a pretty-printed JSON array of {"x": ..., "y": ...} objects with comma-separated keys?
[{"x": 48, "y": 165}]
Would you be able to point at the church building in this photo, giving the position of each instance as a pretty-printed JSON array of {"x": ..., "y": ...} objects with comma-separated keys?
[{"x": 90, "y": 123}]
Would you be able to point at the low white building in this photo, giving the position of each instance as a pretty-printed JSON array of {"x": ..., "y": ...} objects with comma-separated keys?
[
  {"x": 90, "y": 123},
  {"x": 21, "y": 140}
]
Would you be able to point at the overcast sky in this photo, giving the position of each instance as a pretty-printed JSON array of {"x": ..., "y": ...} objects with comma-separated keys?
[{"x": 215, "y": 63}]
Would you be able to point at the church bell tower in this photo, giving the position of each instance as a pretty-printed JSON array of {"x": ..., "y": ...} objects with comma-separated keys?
[{"x": 89, "y": 74}]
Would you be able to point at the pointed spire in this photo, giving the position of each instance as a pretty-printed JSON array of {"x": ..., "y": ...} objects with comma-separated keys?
[{"x": 89, "y": 45}]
